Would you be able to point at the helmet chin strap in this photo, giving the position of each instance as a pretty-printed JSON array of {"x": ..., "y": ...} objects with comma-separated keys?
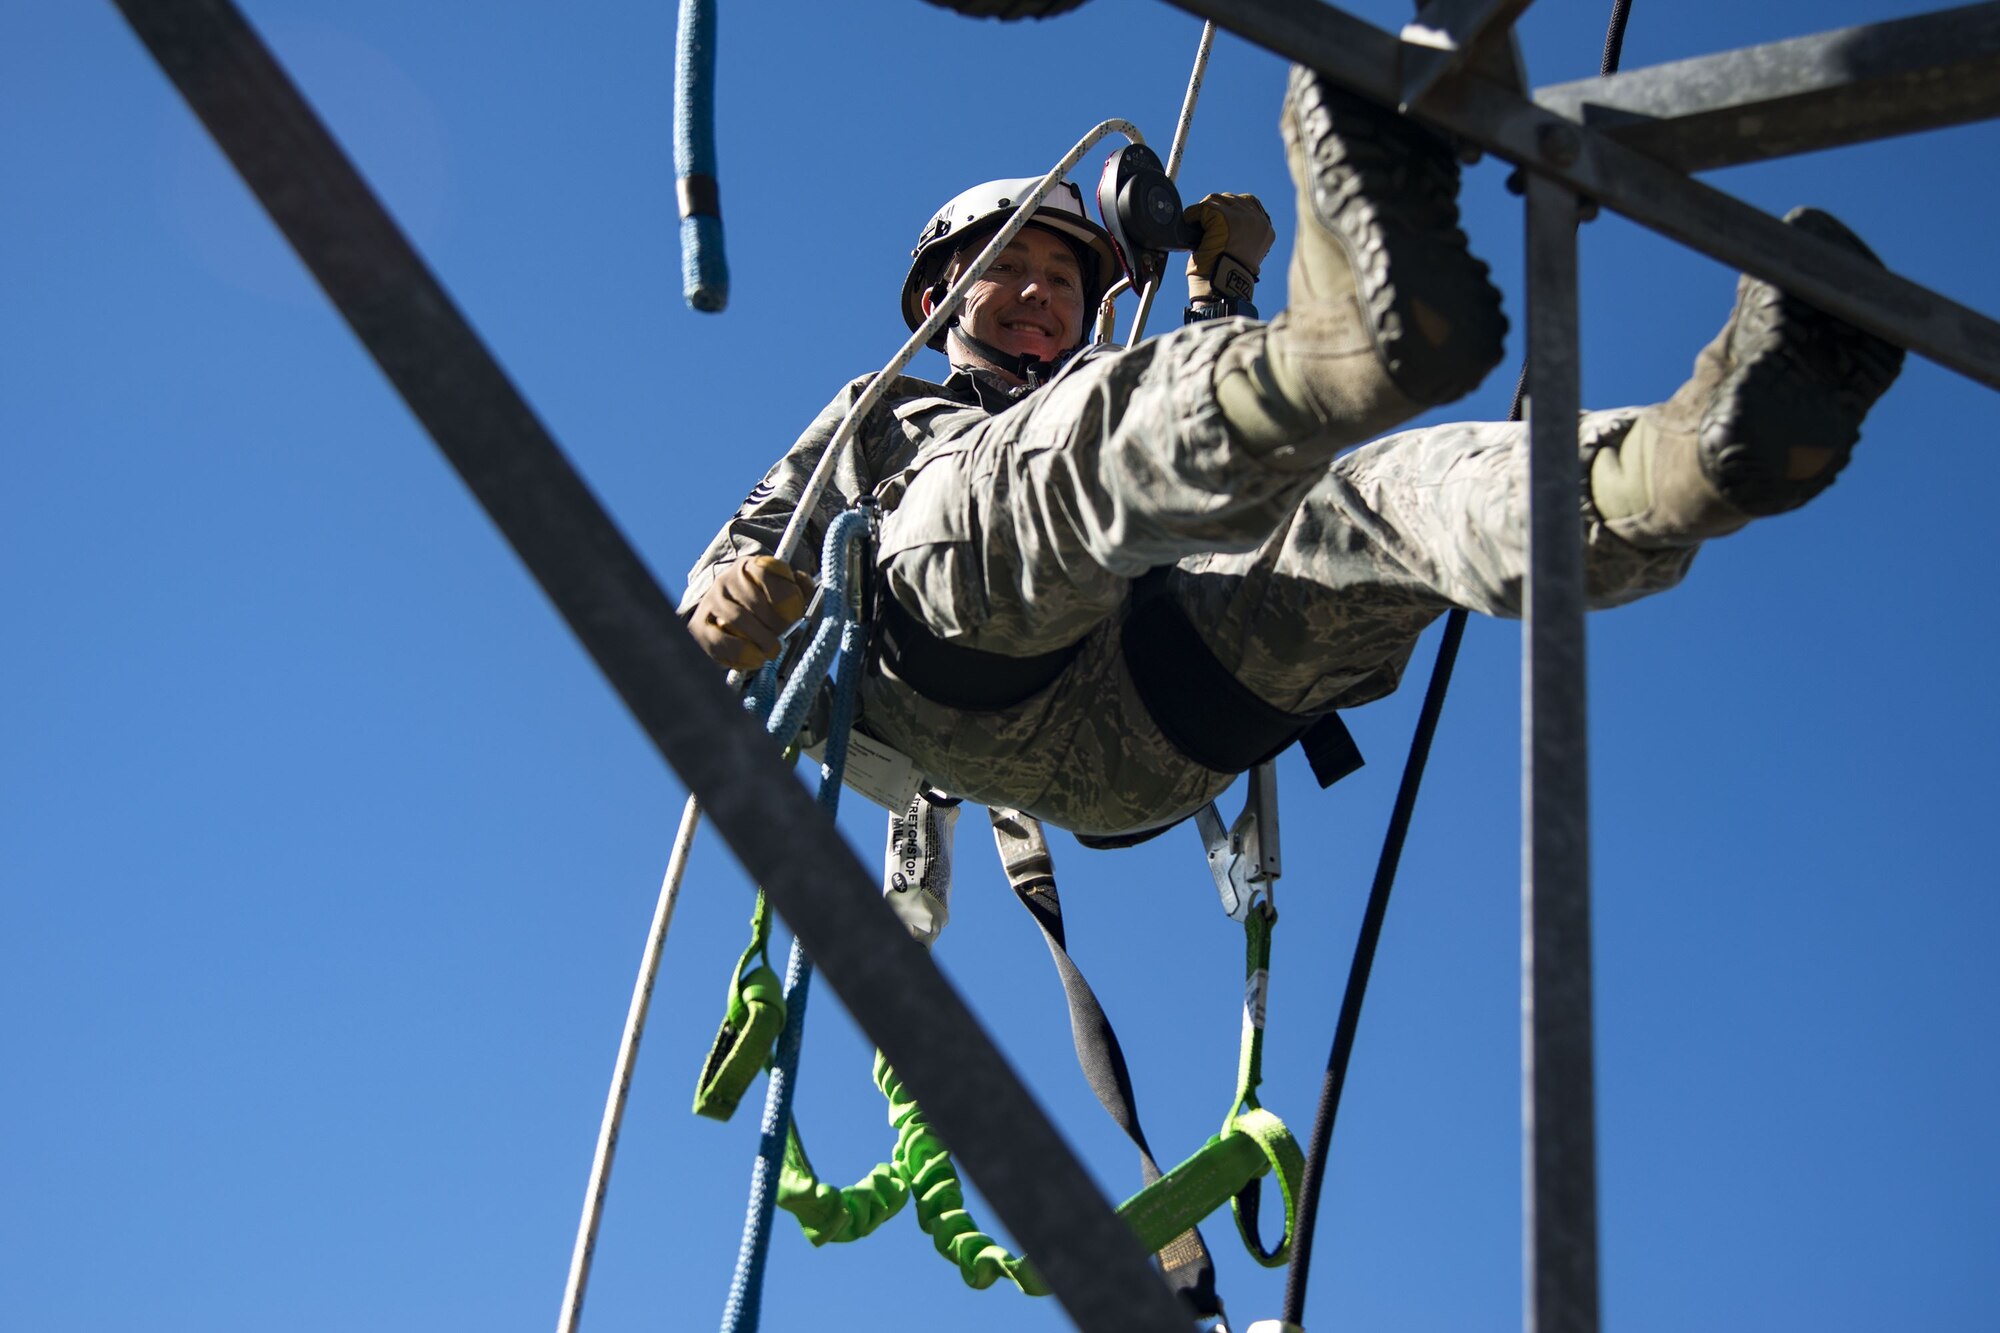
[{"x": 1030, "y": 370}]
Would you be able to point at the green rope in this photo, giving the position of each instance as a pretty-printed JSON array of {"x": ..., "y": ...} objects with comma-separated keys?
[{"x": 920, "y": 1169}]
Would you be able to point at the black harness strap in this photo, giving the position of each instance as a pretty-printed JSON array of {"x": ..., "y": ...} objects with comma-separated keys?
[
  {"x": 1202, "y": 710},
  {"x": 1024, "y": 852},
  {"x": 960, "y": 677},
  {"x": 1330, "y": 750},
  {"x": 1209, "y": 715}
]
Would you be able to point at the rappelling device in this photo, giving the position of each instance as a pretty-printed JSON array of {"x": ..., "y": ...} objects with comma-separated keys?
[{"x": 1142, "y": 210}]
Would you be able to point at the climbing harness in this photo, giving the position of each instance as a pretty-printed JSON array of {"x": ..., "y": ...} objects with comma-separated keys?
[{"x": 1200, "y": 706}]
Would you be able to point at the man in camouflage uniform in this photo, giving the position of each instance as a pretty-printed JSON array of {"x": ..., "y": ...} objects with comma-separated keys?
[{"x": 1021, "y": 517}]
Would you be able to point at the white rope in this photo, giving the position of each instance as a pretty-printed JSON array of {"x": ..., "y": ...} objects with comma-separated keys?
[
  {"x": 1195, "y": 76},
  {"x": 621, "y": 1074},
  {"x": 1193, "y": 94}
]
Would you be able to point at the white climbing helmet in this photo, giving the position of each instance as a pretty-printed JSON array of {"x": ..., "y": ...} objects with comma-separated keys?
[{"x": 960, "y": 221}]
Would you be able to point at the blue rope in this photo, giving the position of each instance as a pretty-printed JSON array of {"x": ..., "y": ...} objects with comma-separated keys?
[
  {"x": 704, "y": 269},
  {"x": 839, "y": 628}
]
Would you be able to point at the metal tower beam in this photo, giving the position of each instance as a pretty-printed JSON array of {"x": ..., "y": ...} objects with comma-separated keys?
[
  {"x": 1558, "y": 1089},
  {"x": 1823, "y": 91}
]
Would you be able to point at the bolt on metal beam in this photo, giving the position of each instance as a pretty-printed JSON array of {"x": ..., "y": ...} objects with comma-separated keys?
[
  {"x": 491, "y": 436},
  {"x": 1823, "y": 91}
]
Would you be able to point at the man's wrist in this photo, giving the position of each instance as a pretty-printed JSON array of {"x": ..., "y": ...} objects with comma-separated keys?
[{"x": 1218, "y": 307}]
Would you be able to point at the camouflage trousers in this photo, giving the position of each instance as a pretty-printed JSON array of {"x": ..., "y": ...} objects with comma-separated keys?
[{"x": 1309, "y": 577}]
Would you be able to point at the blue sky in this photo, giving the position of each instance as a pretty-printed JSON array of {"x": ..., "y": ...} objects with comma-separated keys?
[{"x": 328, "y": 856}]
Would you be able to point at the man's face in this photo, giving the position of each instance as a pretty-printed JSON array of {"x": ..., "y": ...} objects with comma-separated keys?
[{"x": 1030, "y": 302}]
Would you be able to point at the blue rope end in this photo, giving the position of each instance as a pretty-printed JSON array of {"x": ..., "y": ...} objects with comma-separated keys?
[{"x": 704, "y": 267}]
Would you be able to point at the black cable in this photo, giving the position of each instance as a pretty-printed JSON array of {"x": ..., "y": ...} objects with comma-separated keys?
[
  {"x": 1385, "y": 868},
  {"x": 1614, "y": 37},
  {"x": 1364, "y": 960}
]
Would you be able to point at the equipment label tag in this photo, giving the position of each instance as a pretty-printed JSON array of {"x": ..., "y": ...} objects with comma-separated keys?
[
  {"x": 883, "y": 774},
  {"x": 1253, "y": 998}
]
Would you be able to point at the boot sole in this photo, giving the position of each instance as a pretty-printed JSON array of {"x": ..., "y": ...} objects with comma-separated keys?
[
  {"x": 1801, "y": 379},
  {"x": 1387, "y": 189}
]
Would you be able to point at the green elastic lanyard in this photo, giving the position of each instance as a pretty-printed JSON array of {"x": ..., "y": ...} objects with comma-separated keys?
[
  {"x": 920, "y": 1169},
  {"x": 756, "y": 1013},
  {"x": 1252, "y": 1142},
  {"x": 832, "y": 1216}
]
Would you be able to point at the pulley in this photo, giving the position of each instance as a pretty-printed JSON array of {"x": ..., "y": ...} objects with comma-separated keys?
[{"x": 1142, "y": 211}]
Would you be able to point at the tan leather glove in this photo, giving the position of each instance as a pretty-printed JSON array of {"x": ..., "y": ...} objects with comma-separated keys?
[
  {"x": 1236, "y": 234},
  {"x": 739, "y": 619}
]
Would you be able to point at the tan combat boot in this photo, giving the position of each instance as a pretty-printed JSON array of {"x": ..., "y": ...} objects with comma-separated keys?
[
  {"x": 1764, "y": 424},
  {"x": 1389, "y": 313}
]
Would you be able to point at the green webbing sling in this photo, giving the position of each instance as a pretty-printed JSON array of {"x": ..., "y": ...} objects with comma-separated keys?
[
  {"x": 755, "y": 1014},
  {"x": 1252, "y": 1142},
  {"x": 753, "y": 1018}
]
